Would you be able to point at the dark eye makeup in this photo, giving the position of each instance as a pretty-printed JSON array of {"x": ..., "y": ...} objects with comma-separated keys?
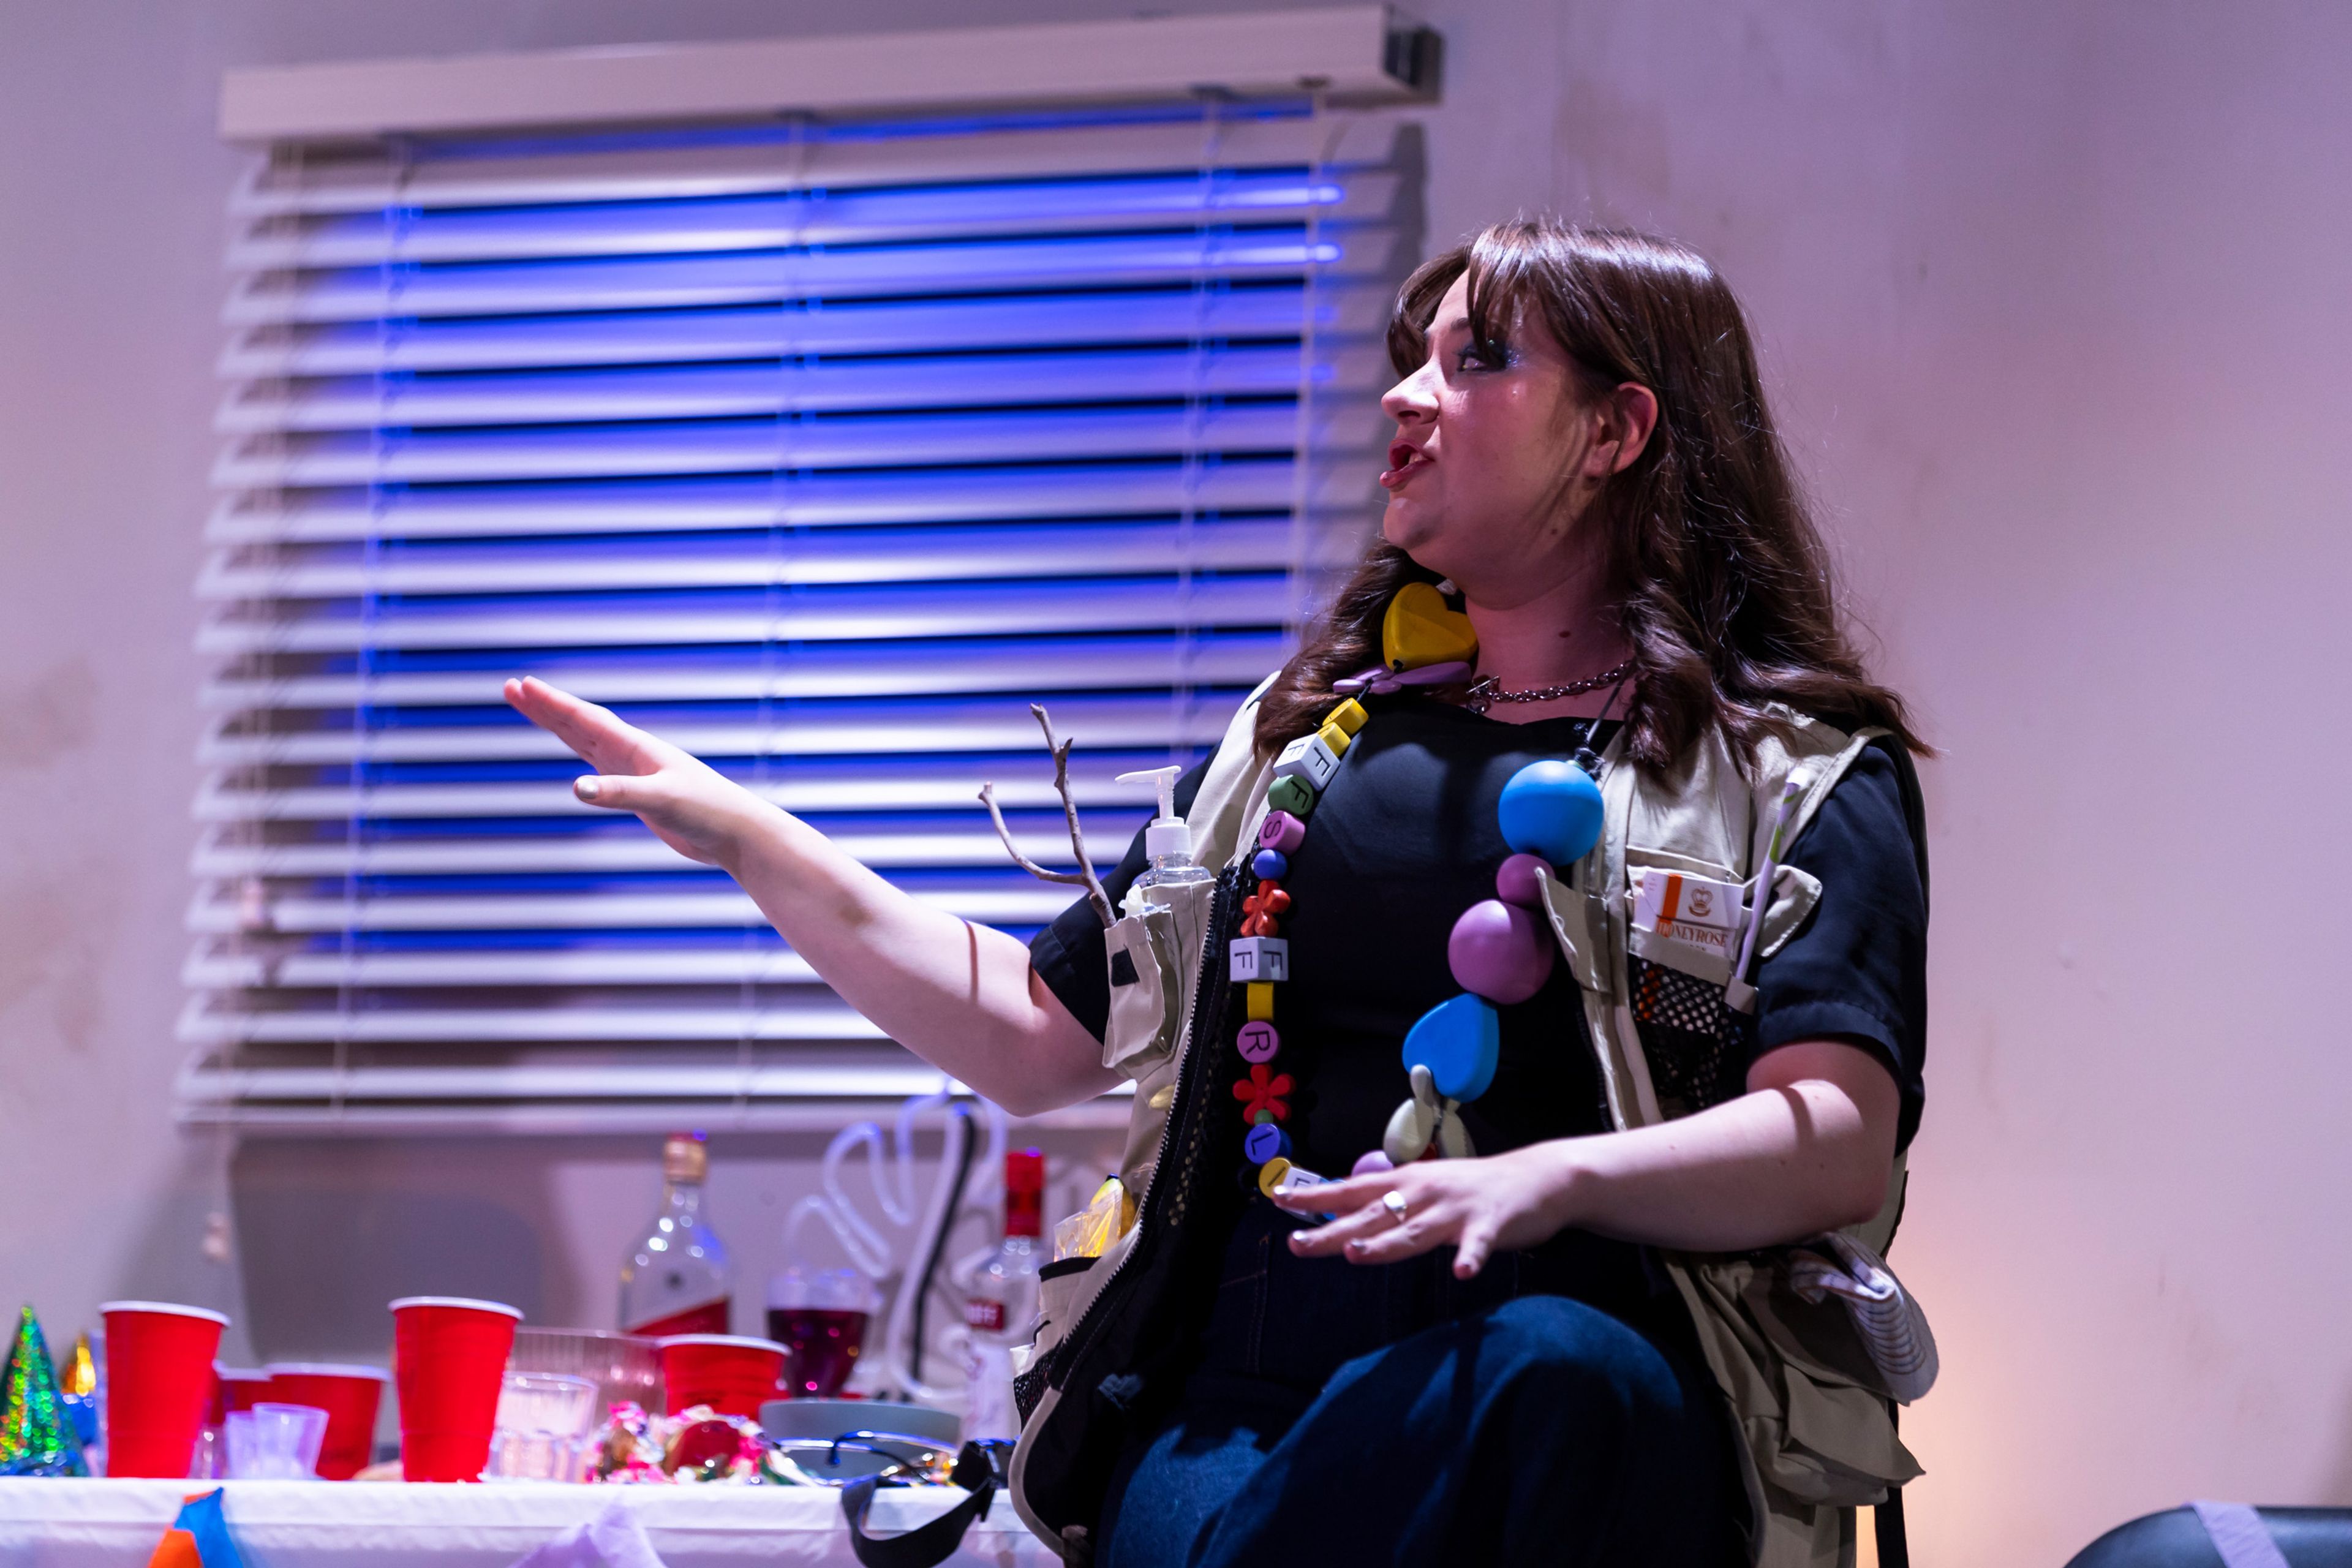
[
  {"x": 1484, "y": 356},
  {"x": 1493, "y": 354}
]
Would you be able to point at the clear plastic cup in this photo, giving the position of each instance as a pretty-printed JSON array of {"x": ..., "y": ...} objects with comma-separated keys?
[
  {"x": 274, "y": 1442},
  {"x": 546, "y": 1427},
  {"x": 622, "y": 1366}
]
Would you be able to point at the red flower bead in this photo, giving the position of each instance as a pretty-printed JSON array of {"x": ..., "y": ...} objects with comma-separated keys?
[
  {"x": 1269, "y": 900},
  {"x": 1264, "y": 1090}
]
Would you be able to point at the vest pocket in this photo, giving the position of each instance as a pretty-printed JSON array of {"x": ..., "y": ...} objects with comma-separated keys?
[
  {"x": 1698, "y": 1047},
  {"x": 1154, "y": 953},
  {"x": 1142, "y": 1027}
]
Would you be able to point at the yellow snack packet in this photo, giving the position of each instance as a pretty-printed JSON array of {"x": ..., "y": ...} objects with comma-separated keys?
[{"x": 1089, "y": 1232}]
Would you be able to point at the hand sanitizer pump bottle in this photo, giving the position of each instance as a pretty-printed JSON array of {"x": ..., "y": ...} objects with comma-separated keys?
[{"x": 1167, "y": 841}]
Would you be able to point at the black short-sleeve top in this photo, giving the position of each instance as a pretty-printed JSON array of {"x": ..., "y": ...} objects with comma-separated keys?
[{"x": 1404, "y": 839}]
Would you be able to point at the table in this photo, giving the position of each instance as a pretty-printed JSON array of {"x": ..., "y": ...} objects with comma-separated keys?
[{"x": 47, "y": 1523}]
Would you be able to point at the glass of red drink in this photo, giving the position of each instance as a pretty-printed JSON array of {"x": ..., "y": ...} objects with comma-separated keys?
[{"x": 822, "y": 1315}]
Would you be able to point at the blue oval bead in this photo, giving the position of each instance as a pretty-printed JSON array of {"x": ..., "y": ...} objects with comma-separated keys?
[
  {"x": 1266, "y": 1142},
  {"x": 1551, "y": 809},
  {"x": 1459, "y": 1041},
  {"x": 1270, "y": 865}
]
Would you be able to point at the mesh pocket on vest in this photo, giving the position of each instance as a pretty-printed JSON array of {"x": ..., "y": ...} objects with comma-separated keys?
[{"x": 1696, "y": 1045}]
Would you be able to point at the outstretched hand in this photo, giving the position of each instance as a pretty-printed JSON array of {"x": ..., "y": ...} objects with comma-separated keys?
[
  {"x": 689, "y": 805},
  {"x": 1508, "y": 1201}
]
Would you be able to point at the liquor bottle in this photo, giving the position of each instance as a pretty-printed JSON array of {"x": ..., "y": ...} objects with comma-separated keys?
[
  {"x": 676, "y": 1279},
  {"x": 1000, "y": 1302}
]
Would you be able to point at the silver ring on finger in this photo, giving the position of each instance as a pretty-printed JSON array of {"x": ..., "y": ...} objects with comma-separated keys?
[{"x": 1395, "y": 1204}]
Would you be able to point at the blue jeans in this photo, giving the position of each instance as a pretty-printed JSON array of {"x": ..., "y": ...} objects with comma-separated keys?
[{"x": 1500, "y": 1427}]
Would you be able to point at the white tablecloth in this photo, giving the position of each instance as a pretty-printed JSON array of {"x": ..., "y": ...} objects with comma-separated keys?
[{"x": 359, "y": 1524}]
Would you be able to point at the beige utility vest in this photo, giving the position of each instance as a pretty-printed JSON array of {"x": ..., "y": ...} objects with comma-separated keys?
[{"x": 1813, "y": 1415}]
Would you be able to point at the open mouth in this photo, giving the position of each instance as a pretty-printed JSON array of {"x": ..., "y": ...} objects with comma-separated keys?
[{"x": 1405, "y": 459}]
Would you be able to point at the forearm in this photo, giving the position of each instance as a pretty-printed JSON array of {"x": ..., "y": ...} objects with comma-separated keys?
[
  {"x": 1774, "y": 1165},
  {"x": 962, "y": 997}
]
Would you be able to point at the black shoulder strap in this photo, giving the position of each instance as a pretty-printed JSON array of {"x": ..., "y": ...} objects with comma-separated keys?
[{"x": 929, "y": 1545}]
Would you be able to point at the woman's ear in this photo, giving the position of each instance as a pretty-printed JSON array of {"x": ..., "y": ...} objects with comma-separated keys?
[{"x": 1624, "y": 420}]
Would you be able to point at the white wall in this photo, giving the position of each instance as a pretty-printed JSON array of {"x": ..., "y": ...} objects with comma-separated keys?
[{"x": 2053, "y": 301}]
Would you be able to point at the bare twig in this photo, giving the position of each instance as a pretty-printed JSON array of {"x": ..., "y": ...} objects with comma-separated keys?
[{"x": 1085, "y": 875}]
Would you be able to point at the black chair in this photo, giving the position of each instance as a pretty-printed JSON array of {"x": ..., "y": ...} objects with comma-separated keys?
[{"x": 2306, "y": 1538}]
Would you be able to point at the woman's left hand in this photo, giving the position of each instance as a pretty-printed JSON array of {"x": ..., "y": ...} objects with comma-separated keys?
[{"x": 1508, "y": 1201}]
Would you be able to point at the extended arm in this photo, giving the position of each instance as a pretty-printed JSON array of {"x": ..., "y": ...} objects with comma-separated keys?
[
  {"x": 1807, "y": 1149},
  {"x": 961, "y": 996}
]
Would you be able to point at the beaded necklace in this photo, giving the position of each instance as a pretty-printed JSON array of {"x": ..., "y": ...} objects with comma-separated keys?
[{"x": 1500, "y": 952}]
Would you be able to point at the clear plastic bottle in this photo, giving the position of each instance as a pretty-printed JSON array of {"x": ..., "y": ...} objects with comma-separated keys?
[
  {"x": 1167, "y": 841},
  {"x": 1000, "y": 1302},
  {"x": 677, "y": 1279}
]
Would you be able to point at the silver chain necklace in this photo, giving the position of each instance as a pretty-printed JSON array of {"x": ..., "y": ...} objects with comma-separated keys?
[{"x": 1486, "y": 690}]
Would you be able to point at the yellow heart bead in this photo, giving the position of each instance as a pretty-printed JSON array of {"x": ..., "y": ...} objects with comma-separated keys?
[
  {"x": 1261, "y": 1001},
  {"x": 1419, "y": 630}
]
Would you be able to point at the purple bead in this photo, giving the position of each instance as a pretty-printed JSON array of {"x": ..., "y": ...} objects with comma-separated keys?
[
  {"x": 1361, "y": 681},
  {"x": 1258, "y": 1042},
  {"x": 1281, "y": 832},
  {"x": 1514, "y": 882},
  {"x": 1371, "y": 1162},
  {"x": 1432, "y": 673},
  {"x": 1497, "y": 951},
  {"x": 1270, "y": 865}
]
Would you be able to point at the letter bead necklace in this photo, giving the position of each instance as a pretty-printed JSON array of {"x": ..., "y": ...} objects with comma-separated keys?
[{"x": 1500, "y": 951}]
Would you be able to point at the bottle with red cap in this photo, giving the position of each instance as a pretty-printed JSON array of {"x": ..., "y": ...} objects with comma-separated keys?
[{"x": 1000, "y": 1302}]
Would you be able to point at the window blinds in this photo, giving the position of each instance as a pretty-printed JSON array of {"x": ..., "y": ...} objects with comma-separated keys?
[{"x": 822, "y": 449}]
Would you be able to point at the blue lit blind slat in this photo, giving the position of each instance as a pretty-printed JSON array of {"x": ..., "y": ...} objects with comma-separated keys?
[
  {"x": 897, "y": 215},
  {"x": 1154, "y": 486},
  {"x": 822, "y": 450},
  {"x": 1271, "y": 308},
  {"x": 802, "y": 784},
  {"x": 737, "y": 559},
  {"x": 1086, "y": 261},
  {"x": 396, "y": 456},
  {"x": 893, "y": 384},
  {"x": 1010, "y": 665}
]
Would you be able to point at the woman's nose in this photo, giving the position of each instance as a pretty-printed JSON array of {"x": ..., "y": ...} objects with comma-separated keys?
[{"x": 1409, "y": 399}]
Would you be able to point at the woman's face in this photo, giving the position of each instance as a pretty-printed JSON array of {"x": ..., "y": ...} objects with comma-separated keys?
[{"x": 1485, "y": 477}]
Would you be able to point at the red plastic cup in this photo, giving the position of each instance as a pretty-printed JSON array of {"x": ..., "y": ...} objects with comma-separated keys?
[
  {"x": 241, "y": 1388},
  {"x": 159, "y": 1380},
  {"x": 448, "y": 1356},
  {"x": 349, "y": 1395},
  {"x": 731, "y": 1373}
]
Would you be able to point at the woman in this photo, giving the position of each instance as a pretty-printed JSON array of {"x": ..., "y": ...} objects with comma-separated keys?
[{"x": 1490, "y": 1357}]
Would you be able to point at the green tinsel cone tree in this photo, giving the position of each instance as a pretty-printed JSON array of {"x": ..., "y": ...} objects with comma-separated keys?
[{"x": 36, "y": 1436}]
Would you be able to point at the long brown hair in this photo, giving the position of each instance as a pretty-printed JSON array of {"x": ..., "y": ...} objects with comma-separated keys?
[{"x": 1722, "y": 584}]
